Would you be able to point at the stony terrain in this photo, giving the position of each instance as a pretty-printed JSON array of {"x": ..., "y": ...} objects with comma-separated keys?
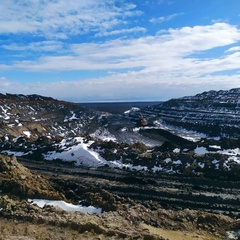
[{"x": 123, "y": 217}]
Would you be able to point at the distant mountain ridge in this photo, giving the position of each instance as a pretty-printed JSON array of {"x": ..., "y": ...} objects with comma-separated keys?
[{"x": 118, "y": 107}]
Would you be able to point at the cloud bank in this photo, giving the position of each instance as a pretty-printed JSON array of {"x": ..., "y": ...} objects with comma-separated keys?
[{"x": 82, "y": 37}]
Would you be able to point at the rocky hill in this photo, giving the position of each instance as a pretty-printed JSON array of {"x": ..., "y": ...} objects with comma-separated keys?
[
  {"x": 214, "y": 113},
  {"x": 36, "y": 116},
  {"x": 15, "y": 179}
]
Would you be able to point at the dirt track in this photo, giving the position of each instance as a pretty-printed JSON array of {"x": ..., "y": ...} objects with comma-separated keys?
[{"x": 170, "y": 192}]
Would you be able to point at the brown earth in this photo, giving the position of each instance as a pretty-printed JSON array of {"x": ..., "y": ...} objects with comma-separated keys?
[
  {"x": 124, "y": 218},
  {"x": 18, "y": 180}
]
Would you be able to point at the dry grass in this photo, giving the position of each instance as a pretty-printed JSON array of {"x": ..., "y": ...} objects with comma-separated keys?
[
  {"x": 10, "y": 230},
  {"x": 180, "y": 235}
]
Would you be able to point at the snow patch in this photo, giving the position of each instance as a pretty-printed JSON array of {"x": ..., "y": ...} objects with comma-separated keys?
[
  {"x": 201, "y": 165},
  {"x": 200, "y": 150},
  {"x": 234, "y": 235},
  {"x": 79, "y": 152},
  {"x": 103, "y": 134},
  {"x": 123, "y": 129},
  {"x": 27, "y": 133},
  {"x": 157, "y": 169},
  {"x": 136, "y": 129},
  {"x": 176, "y": 150},
  {"x": 73, "y": 117},
  {"x": 215, "y": 146},
  {"x": 167, "y": 160},
  {"x": 133, "y": 109},
  {"x": 178, "y": 162},
  {"x": 16, "y": 154},
  {"x": 66, "y": 206}
]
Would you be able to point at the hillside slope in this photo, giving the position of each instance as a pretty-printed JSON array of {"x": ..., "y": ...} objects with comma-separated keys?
[
  {"x": 42, "y": 128},
  {"x": 214, "y": 113},
  {"x": 36, "y": 116}
]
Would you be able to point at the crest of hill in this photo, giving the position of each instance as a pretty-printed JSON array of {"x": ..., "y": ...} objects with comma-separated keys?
[
  {"x": 226, "y": 99},
  {"x": 31, "y": 97}
]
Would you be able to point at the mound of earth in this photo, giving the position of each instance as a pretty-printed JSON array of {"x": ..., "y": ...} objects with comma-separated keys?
[
  {"x": 17, "y": 180},
  {"x": 20, "y": 219}
]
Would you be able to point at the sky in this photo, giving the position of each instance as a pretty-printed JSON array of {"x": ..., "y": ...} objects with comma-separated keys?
[{"x": 119, "y": 50}]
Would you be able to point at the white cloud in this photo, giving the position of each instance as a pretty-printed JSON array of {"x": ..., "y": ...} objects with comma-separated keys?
[
  {"x": 233, "y": 49},
  {"x": 4, "y": 67},
  {"x": 200, "y": 38},
  {"x": 160, "y": 66},
  {"x": 131, "y": 86},
  {"x": 165, "y": 18},
  {"x": 122, "y": 31},
  {"x": 7, "y": 85},
  {"x": 35, "y": 46},
  {"x": 61, "y": 18},
  {"x": 172, "y": 51}
]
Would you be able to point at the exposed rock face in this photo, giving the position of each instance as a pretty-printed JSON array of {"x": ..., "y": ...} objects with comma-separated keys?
[
  {"x": 215, "y": 113},
  {"x": 18, "y": 180}
]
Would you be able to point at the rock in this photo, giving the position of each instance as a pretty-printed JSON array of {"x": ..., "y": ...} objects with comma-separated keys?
[{"x": 22, "y": 177}]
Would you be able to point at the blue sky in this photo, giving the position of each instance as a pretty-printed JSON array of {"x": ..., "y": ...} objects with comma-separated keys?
[{"x": 119, "y": 50}]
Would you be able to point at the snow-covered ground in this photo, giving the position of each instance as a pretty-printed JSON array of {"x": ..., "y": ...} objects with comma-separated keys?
[
  {"x": 103, "y": 134},
  {"x": 234, "y": 154},
  {"x": 182, "y": 132},
  {"x": 233, "y": 235},
  {"x": 66, "y": 206},
  {"x": 83, "y": 155},
  {"x": 132, "y": 110},
  {"x": 77, "y": 151}
]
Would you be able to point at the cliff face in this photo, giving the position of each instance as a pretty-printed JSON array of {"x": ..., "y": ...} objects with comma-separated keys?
[{"x": 215, "y": 113}]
